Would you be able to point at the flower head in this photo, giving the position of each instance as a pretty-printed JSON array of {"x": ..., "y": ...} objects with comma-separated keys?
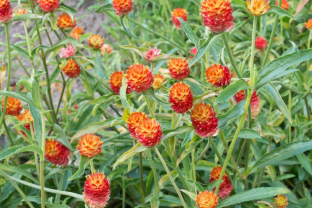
[
  {"x": 261, "y": 43},
  {"x": 13, "y": 107},
  {"x": 179, "y": 68},
  {"x": 26, "y": 117},
  {"x": 181, "y": 97},
  {"x": 133, "y": 122},
  {"x": 207, "y": 199},
  {"x": 122, "y": 7},
  {"x": 89, "y": 145},
  {"x": 68, "y": 52},
  {"x": 254, "y": 102},
  {"x": 225, "y": 187},
  {"x": 19, "y": 12},
  {"x": 65, "y": 21},
  {"x": 49, "y": 5},
  {"x": 96, "y": 41},
  {"x": 57, "y": 153},
  {"x": 204, "y": 120},
  {"x": 308, "y": 24},
  {"x": 280, "y": 201},
  {"x": 218, "y": 75},
  {"x": 96, "y": 190},
  {"x": 139, "y": 78},
  {"x": 149, "y": 132},
  {"x": 217, "y": 15},
  {"x": 76, "y": 32},
  {"x": 106, "y": 49},
  {"x": 178, "y": 12},
  {"x": 71, "y": 69},
  {"x": 6, "y": 11},
  {"x": 193, "y": 51},
  {"x": 116, "y": 81},
  {"x": 258, "y": 7},
  {"x": 284, "y": 5},
  {"x": 151, "y": 54},
  {"x": 159, "y": 81}
]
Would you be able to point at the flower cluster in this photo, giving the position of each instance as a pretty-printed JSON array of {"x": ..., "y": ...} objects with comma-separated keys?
[
  {"x": 207, "y": 199},
  {"x": 65, "y": 21},
  {"x": 181, "y": 97},
  {"x": 49, "y": 5},
  {"x": 122, "y": 7},
  {"x": 258, "y": 7},
  {"x": 218, "y": 75},
  {"x": 139, "y": 78},
  {"x": 89, "y": 145},
  {"x": 179, "y": 68},
  {"x": 71, "y": 68},
  {"x": 57, "y": 153},
  {"x": 13, "y": 106}
]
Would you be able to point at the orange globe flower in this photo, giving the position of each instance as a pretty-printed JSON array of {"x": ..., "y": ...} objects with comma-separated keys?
[
  {"x": 19, "y": 12},
  {"x": 13, "y": 107},
  {"x": 133, "y": 122},
  {"x": 254, "y": 102},
  {"x": 89, "y": 145},
  {"x": 116, "y": 82},
  {"x": 149, "y": 132},
  {"x": 65, "y": 21},
  {"x": 122, "y": 7},
  {"x": 6, "y": 11},
  {"x": 280, "y": 201},
  {"x": 179, "y": 68},
  {"x": 26, "y": 117},
  {"x": 225, "y": 187},
  {"x": 284, "y": 5},
  {"x": 258, "y": 7},
  {"x": 96, "y": 190},
  {"x": 308, "y": 24},
  {"x": 139, "y": 78},
  {"x": 204, "y": 120},
  {"x": 218, "y": 75},
  {"x": 96, "y": 41},
  {"x": 106, "y": 49},
  {"x": 49, "y": 5},
  {"x": 179, "y": 12},
  {"x": 71, "y": 69},
  {"x": 261, "y": 43},
  {"x": 76, "y": 32},
  {"x": 217, "y": 15},
  {"x": 181, "y": 97},
  {"x": 159, "y": 81},
  {"x": 207, "y": 199},
  {"x": 57, "y": 153}
]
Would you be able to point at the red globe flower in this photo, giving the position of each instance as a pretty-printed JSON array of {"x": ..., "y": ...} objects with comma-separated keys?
[
  {"x": 71, "y": 69},
  {"x": 133, "y": 122},
  {"x": 179, "y": 68},
  {"x": 261, "y": 43},
  {"x": 122, "y": 7},
  {"x": 65, "y": 21},
  {"x": 207, "y": 199},
  {"x": 96, "y": 190},
  {"x": 49, "y": 5},
  {"x": 149, "y": 132},
  {"x": 181, "y": 97},
  {"x": 57, "y": 153},
  {"x": 89, "y": 145},
  {"x": 139, "y": 78},
  {"x": 225, "y": 187},
  {"x": 179, "y": 12},
  {"x": 6, "y": 11},
  {"x": 254, "y": 102},
  {"x": 204, "y": 120},
  {"x": 193, "y": 51},
  {"x": 13, "y": 107},
  {"x": 218, "y": 75}
]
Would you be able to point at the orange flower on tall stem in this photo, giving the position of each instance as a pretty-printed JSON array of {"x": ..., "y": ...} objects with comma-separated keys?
[
  {"x": 77, "y": 32},
  {"x": 49, "y": 5},
  {"x": 179, "y": 68},
  {"x": 139, "y": 78},
  {"x": 26, "y": 117},
  {"x": 13, "y": 107},
  {"x": 115, "y": 82},
  {"x": 89, "y": 145},
  {"x": 149, "y": 132},
  {"x": 159, "y": 81},
  {"x": 133, "y": 122},
  {"x": 71, "y": 69},
  {"x": 207, "y": 199},
  {"x": 218, "y": 75},
  {"x": 181, "y": 97},
  {"x": 179, "y": 12},
  {"x": 65, "y": 21},
  {"x": 122, "y": 7},
  {"x": 57, "y": 153},
  {"x": 258, "y": 7}
]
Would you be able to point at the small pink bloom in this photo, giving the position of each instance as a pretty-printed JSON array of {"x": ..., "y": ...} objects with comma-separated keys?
[
  {"x": 106, "y": 49},
  {"x": 151, "y": 54},
  {"x": 68, "y": 52},
  {"x": 193, "y": 51}
]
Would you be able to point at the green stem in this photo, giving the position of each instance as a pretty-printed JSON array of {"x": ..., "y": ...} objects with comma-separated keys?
[
  {"x": 308, "y": 108},
  {"x": 149, "y": 107},
  {"x": 123, "y": 193},
  {"x": 289, "y": 108},
  {"x": 153, "y": 169},
  {"x": 22, "y": 65},
  {"x": 253, "y": 41},
  {"x": 204, "y": 151},
  {"x": 308, "y": 62},
  {"x": 11, "y": 141},
  {"x": 42, "y": 160},
  {"x": 62, "y": 93},
  {"x": 170, "y": 177},
  {"x": 141, "y": 175},
  {"x": 92, "y": 166},
  {"x": 262, "y": 170}
]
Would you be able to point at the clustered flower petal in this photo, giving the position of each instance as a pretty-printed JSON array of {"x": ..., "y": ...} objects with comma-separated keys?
[
  {"x": 68, "y": 52},
  {"x": 207, "y": 199},
  {"x": 204, "y": 120},
  {"x": 179, "y": 12},
  {"x": 179, "y": 68},
  {"x": 26, "y": 117},
  {"x": 225, "y": 187},
  {"x": 280, "y": 201},
  {"x": 133, "y": 122},
  {"x": 49, "y": 5},
  {"x": 139, "y": 78},
  {"x": 76, "y": 32},
  {"x": 261, "y": 43},
  {"x": 149, "y": 132},
  {"x": 6, "y": 11},
  {"x": 284, "y": 5},
  {"x": 159, "y": 81},
  {"x": 96, "y": 190},
  {"x": 258, "y": 7},
  {"x": 106, "y": 49},
  {"x": 181, "y": 97},
  {"x": 254, "y": 102},
  {"x": 217, "y": 15},
  {"x": 65, "y": 21},
  {"x": 218, "y": 75},
  {"x": 115, "y": 82},
  {"x": 193, "y": 51},
  {"x": 122, "y": 7},
  {"x": 71, "y": 69},
  {"x": 308, "y": 24},
  {"x": 151, "y": 54},
  {"x": 96, "y": 41},
  {"x": 57, "y": 153},
  {"x": 89, "y": 145},
  {"x": 13, "y": 107}
]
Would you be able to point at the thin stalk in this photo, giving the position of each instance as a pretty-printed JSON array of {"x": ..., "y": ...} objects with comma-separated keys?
[
  {"x": 204, "y": 151},
  {"x": 42, "y": 160},
  {"x": 241, "y": 152},
  {"x": 123, "y": 193},
  {"x": 37, "y": 165},
  {"x": 262, "y": 170},
  {"x": 62, "y": 93},
  {"x": 149, "y": 107},
  {"x": 153, "y": 169},
  {"x": 308, "y": 62},
  {"x": 289, "y": 108},
  {"x": 92, "y": 166},
  {"x": 308, "y": 108},
  {"x": 141, "y": 175},
  {"x": 287, "y": 87},
  {"x": 215, "y": 148},
  {"x": 170, "y": 177},
  {"x": 11, "y": 141},
  {"x": 193, "y": 165},
  {"x": 22, "y": 65}
]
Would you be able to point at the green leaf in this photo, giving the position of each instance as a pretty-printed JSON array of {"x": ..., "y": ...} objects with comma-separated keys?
[
  {"x": 251, "y": 195},
  {"x": 98, "y": 68},
  {"x": 282, "y": 153},
  {"x": 236, "y": 111},
  {"x": 190, "y": 147},
  {"x": 18, "y": 149},
  {"x": 179, "y": 130},
  {"x": 123, "y": 93},
  {"x": 27, "y": 16},
  {"x": 62, "y": 137},
  {"x": 231, "y": 90},
  {"x": 37, "y": 122},
  {"x": 133, "y": 151},
  {"x": 240, "y": 4},
  {"x": 106, "y": 7},
  {"x": 21, "y": 51},
  {"x": 18, "y": 95},
  {"x": 84, "y": 161},
  {"x": 14, "y": 169},
  {"x": 248, "y": 134},
  {"x": 279, "y": 101},
  {"x": 190, "y": 33},
  {"x": 305, "y": 162},
  {"x": 190, "y": 194},
  {"x": 280, "y": 12},
  {"x": 127, "y": 29}
]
